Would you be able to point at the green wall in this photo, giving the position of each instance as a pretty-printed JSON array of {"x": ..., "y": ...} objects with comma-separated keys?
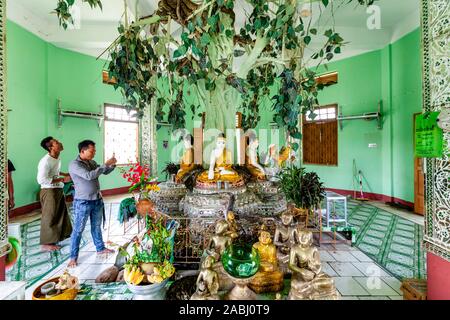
[
  {"x": 358, "y": 91},
  {"x": 27, "y": 98},
  {"x": 392, "y": 75},
  {"x": 40, "y": 73}
]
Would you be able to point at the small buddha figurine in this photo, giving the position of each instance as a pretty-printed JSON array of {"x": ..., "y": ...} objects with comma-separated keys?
[
  {"x": 269, "y": 278},
  {"x": 285, "y": 155},
  {"x": 308, "y": 282},
  {"x": 285, "y": 238},
  {"x": 216, "y": 247},
  {"x": 232, "y": 226},
  {"x": 207, "y": 281},
  {"x": 220, "y": 165},
  {"x": 252, "y": 161},
  {"x": 187, "y": 160},
  {"x": 220, "y": 240}
]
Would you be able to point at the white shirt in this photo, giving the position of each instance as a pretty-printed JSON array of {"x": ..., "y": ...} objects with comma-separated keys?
[{"x": 49, "y": 169}]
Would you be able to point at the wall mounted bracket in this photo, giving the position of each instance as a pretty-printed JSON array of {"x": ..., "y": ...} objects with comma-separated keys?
[
  {"x": 366, "y": 116},
  {"x": 78, "y": 114}
]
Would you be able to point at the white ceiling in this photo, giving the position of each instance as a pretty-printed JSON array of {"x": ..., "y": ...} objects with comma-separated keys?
[{"x": 98, "y": 28}]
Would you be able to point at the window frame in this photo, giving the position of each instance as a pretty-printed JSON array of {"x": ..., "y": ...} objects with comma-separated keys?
[
  {"x": 137, "y": 122},
  {"x": 328, "y": 106},
  {"x": 323, "y": 121}
]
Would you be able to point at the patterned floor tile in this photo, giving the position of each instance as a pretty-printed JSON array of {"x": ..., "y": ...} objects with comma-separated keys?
[
  {"x": 346, "y": 269},
  {"x": 394, "y": 284},
  {"x": 347, "y": 286},
  {"x": 361, "y": 256},
  {"x": 396, "y": 297},
  {"x": 325, "y": 256},
  {"x": 328, "y": 270},
  {"x": 370, "y": 269},
  {"x": 375, "y": 286},
  {"x": 343, "y": 256}
]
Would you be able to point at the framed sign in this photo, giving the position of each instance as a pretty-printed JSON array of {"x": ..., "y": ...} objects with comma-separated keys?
[{"x": 428, "y": 136}]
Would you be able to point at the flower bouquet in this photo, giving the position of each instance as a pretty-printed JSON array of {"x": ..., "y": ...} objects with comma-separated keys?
[{"x": 142, "y": 183}]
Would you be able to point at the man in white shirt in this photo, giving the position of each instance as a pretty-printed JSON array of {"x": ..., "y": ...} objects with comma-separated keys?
[{"x": 55, "y": 221}]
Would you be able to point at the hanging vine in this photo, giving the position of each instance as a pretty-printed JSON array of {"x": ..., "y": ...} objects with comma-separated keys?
[
  {"x": 271, "y": 46},
  {"x": 63, "y": 8}
]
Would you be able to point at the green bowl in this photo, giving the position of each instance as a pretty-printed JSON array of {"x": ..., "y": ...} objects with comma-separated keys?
[{"x": 241, "y": 261}]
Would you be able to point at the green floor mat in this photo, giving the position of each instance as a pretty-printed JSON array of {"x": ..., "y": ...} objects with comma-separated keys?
[
  {"x": 34, "y": 264},
  {"x": 393, "y": 242}
]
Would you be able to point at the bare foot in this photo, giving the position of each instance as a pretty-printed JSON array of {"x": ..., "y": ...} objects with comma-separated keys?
[
  {"x": 72, "y": 263},
  {"x": 106, "y": 251},
  {"x": 50, "y": 247}
]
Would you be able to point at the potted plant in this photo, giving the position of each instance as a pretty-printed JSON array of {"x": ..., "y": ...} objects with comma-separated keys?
[
  {"x": 303, "y": 189},
  {"x": 171, "y": 170},
  {"x": 150, "y": 259},
  {"x": 141, "y": 185}
]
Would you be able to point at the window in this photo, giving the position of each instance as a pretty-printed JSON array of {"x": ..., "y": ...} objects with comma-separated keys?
[
  {"x": 121, "y": 134},
  {"x": 326, "y": 113},
  {"x": 320, "y": 141}
]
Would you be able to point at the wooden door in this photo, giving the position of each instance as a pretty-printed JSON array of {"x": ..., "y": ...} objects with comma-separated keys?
[
  {"x": 320, "y": 140},
  {"x": 419, "y": 182}
]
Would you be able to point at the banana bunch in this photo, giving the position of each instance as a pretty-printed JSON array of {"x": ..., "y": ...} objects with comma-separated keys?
[{"x": 133, "y": 275}]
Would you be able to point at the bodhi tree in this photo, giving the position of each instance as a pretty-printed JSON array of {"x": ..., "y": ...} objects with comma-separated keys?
[{"x": 228, "y": 67}]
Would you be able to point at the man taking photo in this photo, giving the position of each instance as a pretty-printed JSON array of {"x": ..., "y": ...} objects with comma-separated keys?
[{"x": 88, "y": 202}]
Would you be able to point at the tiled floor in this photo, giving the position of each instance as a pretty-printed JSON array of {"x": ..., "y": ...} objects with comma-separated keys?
[
  {"x": 408, "y": 215},
  {"x": 355, "y": 274}
]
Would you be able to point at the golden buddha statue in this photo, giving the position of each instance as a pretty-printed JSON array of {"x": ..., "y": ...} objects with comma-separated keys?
[
  {"x": 284, "y": 156},
  {"x": 269, "y": 278},
  {"x": 207, "y": 281},
  {"x": 252, "y": 160},
  {"x": 285, "y": 238},
  {"x": 220, "y": 166},
  {"x": 308, "y": 282},
  {"x": 232, "y": 226},
  {"x": 216, "y": 247},
  {"x": 187, "y": 160},
  {"x": 220, "y": 240}
]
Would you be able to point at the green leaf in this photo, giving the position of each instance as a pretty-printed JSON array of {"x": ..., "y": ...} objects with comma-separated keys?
[
  {"x": 337, "y": 50},
  {"x": 325, "y": 2},
  {"x": 180, "y": 52},
  {"x": 296, "y": 135},
  {"x": 307, "y": 39},
  {"x": 205, "y": 39},
  {"x": 229, "y": 33},
  {"x": 196, "y": 50},
  {"x": 70, "y": 2},
  {"x": 191, "y": 27},
  {"x": 295, "y": 146},
  {"x": 313, "y": 31}
]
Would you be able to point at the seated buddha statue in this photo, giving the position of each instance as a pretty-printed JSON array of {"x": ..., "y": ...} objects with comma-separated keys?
[
  {"x": 308, "y": 282},
  {"x": 269, "y": 278},
  {"x": 232, "y": 226},
  {"x": 216, "y": 247},
  {"x": 207, "y": 281},
  {"x": 252, "y": 161},
  {"x": 187, "y": 160},
  {"x": 284, "y": 156},
  {"x": 285, "y": 238},
  {"x": 219, "y": 241},
  {"x": 220, "y": 166}
]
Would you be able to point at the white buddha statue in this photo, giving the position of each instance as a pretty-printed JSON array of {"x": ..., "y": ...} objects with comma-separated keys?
[
  {"x": 220, "y": 163},
  {"x": 252, "y": 161}
]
